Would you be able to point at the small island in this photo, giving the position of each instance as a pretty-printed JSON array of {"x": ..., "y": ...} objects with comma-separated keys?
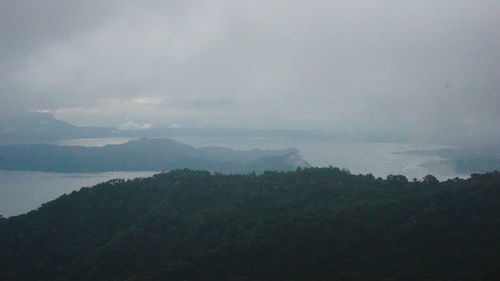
[{"x": 146, "y": 155}]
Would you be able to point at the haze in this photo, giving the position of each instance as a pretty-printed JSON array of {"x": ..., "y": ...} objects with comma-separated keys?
[{"x": 420, "y": 70}]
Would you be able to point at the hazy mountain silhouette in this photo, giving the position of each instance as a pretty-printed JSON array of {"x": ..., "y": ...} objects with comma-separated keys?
[{"x": 145, "y": 154}]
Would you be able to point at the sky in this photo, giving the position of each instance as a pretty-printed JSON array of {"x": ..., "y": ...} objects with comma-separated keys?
[{"x": 422, "y": 69}]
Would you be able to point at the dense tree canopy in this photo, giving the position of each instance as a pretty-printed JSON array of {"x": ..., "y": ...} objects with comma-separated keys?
[{"x": 312, "y": 224}]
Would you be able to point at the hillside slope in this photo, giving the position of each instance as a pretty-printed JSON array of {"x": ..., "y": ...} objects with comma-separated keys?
[{"x": 312, "y": 224}]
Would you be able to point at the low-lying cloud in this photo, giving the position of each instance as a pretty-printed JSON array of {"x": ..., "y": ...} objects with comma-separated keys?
[
  {"x": 132, "y": 126},
  {"x": 425, "y": 70}
]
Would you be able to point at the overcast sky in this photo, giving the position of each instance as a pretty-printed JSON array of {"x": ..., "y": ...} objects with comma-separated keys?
[{"x": 416, "y": 68}]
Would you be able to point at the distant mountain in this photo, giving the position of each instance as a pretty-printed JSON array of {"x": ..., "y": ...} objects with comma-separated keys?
[
  {"x": 38, "y": 127},
  {"x": 145, "y": 154},
  {"x": 33, "y": 126},
  {"x": 42, "y": 127}
]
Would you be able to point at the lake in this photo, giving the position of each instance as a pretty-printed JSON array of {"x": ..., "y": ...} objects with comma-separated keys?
[
  {"x": 380, "y": 159},
  {"x": 22, "y": 191}
]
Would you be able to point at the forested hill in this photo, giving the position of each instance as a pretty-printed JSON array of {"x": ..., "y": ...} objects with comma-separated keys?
[
  {"x": 312, "y": 224},
  {"x": 143, "y": 155}
]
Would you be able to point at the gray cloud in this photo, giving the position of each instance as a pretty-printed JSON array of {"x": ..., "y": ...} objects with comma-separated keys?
[{"x": 422, "y": 69}]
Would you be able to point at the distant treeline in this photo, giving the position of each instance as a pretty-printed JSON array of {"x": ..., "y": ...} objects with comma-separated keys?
[{"x": 310, "y": 224}]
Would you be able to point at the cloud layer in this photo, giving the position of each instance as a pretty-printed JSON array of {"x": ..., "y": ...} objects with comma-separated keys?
[{"x": 421, "y": 69}]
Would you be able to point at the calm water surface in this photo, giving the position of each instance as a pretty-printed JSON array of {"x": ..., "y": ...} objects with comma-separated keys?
[
  {"x": 380, "y": 159},
  {"x": 22, "y": 191}
]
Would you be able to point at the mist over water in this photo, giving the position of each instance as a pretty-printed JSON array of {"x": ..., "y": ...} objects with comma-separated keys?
[
  {"x": 378, "y": 158},
  {"x": 400, "y": 95},
  {"x": 91, "y": 141},
  {"x": 22, "y": 191}
]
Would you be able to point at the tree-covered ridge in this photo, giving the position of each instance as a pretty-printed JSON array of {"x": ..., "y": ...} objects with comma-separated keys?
[{"x": 311, "y": 224}]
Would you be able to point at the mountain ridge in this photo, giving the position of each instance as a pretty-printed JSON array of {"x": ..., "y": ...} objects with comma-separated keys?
[{"x": 145, "y": 154}]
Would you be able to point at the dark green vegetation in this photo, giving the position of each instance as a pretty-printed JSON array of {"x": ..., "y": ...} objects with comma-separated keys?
[
  {"x": 145, "y": 155},
  {"x": 312, "y": 224}
]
